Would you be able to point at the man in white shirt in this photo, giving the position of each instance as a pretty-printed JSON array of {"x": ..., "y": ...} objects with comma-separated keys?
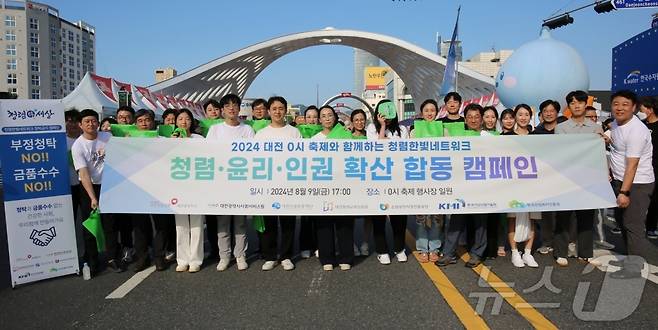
[
  {"x": 230, "y": 130},
  {"x": 279, "y": 130},
  {"x": 88, "y": 153},
  {"x": 632, "y": 180}
]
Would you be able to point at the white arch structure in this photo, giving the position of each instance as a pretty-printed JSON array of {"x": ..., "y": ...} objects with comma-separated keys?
[{"x": 420, "y": 70}]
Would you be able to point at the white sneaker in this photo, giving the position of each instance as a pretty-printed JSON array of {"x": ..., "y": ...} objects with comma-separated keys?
[
  {"x": 181, "y": 268},
  {"x": 242, "y": 263},
  {"x": 194, "y": 269},
  {"x": 562, "y": 262},
  {"x": 222, "y": 265},
  {"x": 401, "y": 256},
  {"x": 328, "y": 267},
  {"x": 306, "y": 254},
  {"x": 287, "y": 264},
  {"x": 357, "y": 252},
  {"x": 364, "y": 250},
  {"x": 529, "y": 260},
  {"x": 384, "y": 259},
  {"x": 317, "y": 253},
  {"x": 269, "y": 265},
  {"x": 345, "y": 266},
  {"x": 517, "y": 261}
]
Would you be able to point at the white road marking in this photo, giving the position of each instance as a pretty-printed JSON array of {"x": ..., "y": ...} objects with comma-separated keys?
[
  {"x": 130, "y": 284},
  {"x": 605, "y": 256}
]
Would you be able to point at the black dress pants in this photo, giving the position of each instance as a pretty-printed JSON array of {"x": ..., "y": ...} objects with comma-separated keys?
[
  {"x": 399, "y": 227},
  {"x": 330, "y": 230},
  {"x": 269, "y": 238}
]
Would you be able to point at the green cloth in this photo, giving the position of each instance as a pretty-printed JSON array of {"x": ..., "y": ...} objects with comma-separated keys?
[
  {"x": 70, "y": 155},
  {"x": 454, "y": 129},
  {"x": 166, "y": 130},
  {"x": 259, "y": 223},
  {"x": 205, "y": 124},
  {"x": 95, "y": 227},
  {"x": 339, "y": 132},
  {"x": 466, "y": 132},
  {"x": 308, "y": 130},
  {"x": 496, "y": 133},
  {"x": 121, "y": 130},
  {"x": 424, "y": 128},
  {"x": 143, "y": 134},
  {"x": 258, "y": 124},
  {"x": 361, "y": 137}
]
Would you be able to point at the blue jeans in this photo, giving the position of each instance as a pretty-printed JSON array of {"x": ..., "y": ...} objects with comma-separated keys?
[{"x": 428, "y": 233}]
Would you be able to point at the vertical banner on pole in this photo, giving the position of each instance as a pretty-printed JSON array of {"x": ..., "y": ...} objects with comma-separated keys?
[{"x": 37, "y": 196}]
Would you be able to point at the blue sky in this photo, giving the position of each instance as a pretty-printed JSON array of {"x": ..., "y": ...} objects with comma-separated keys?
[{"x": 136, "y": 37}]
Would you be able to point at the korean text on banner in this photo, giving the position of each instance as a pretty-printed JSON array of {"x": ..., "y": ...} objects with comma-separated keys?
[
  {"x": 356, "y": 177},
  {"x": 38, "y": 211}
]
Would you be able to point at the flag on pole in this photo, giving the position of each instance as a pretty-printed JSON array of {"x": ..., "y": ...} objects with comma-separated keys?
[{"x": 450, "y": 74}]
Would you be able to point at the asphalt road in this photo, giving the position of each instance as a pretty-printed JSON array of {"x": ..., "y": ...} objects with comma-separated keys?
[{"x": 400, "y": 295}]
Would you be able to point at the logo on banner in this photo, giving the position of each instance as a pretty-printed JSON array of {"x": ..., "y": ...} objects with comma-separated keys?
[
  {"x": 456, "y": 205},
  {"x": 276, "y": 205},
  {"x": 327, "y": 206},
  {"x": 42, "y": 237},
  {"x": 173, "y": 201},
  {"x": 517, "y": 204},
  {"x": 383, "y": 206},
  {"x": 632, "y": 78}
]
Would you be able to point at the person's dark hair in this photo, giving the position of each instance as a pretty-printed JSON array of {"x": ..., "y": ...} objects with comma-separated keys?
[
  {"x": 311, "y": 107},
  {"x": 353, "y": 114},
  {"x": 607, "y": 122},
  {"x": 88, "y": 113},
  {"x": 546, "y": 103},
  {"x": 429, "y": 101},
  {"x": 144, "y": 112},
  {"x": 169, "y": 112},
  {"x": 111, "y": 120},
  {"x": 229, "y": 98},
  {"x": 507, "y": 112},
  {"x": 625, "y": 93},
  {"x": 393, "y": 126},
  {"x": 490, "y": 108},
  {"x": 212, "y": 102},
  {"x": 72, "y": 115},
  {"x": 580, "y": 96},
  {"x": 590, "y": 108},
  {"x": 276, "y": 98},
  {"x": 649, "y": 102},
  {"x": 474, "y": 107},
  {"x": 562, "y": 119},
  {"x": 522, "y": 106},
  {"x": 126, "y": 108},
  {"x": 189, "y": 113},
  {"x": 258, "y": 102},
  {"x": 332, "y": 110},
  {"x": 452, "y": 95}
]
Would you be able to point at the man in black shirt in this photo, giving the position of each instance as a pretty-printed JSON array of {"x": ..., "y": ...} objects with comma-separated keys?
[
  {"x": 453, "y": 102},
  {"x": 548, "y": 111},
  {"x": 649, "y": 106}
]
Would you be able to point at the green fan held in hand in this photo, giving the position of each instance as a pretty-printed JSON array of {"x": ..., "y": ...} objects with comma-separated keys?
[
  {"x": 95, "y": 227},
  {"x": 166, "y": 130},
  {"x": 142, "y": 134},
  {"x": 205, "y": 124},
  {"x": 258, "y": 124},
  {"x": 309, "y": 130},
  {"x": 424, "y": 128},
  {"x": 339, "y": 132},
  {"x": 122, "y": 130},
  {"x": 179, "y": 132},
  {"x": 455, "y": 129}
]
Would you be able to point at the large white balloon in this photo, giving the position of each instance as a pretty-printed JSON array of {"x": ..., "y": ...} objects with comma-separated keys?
[{"x": 539, "y": 70}]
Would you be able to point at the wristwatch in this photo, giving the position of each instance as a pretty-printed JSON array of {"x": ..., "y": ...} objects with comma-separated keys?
[{"x": 625, "y": 192}]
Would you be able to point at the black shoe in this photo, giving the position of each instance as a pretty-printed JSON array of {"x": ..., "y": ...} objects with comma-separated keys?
[
  {"x": 141, "y": 264},
  {"x": 160, "y": 264},
  {"x": 624, "y": 274},
  {"x": 446, "y": 260},
  {"x": 115, "y": 266},
  {"x": 473, "y": 262}
]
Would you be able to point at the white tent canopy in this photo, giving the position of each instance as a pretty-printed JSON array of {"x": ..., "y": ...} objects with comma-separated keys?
[{"x": 88, "y": 96}]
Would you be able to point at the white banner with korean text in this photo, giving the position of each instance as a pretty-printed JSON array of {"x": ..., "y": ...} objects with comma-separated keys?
[{"x": 356, "y": 177}]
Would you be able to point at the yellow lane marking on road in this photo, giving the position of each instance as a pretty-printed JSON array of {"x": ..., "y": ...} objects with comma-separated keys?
[
  {"x": 462, "y": 308},
  {"x": 515, "y": 300}
]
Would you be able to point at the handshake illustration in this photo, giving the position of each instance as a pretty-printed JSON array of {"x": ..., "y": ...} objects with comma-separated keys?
[{"x": 42, "y": 237}]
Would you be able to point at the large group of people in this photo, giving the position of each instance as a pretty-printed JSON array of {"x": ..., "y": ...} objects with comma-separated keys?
[{"x": 630, "y": 145}]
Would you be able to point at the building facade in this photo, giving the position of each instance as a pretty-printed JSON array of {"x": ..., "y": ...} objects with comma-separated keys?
[
  {"x": 488, "y": 63},
  {"x": 42, "y": 55},
  {"x": 164, "y": 74},
  {"x": 362, "y": 59}
]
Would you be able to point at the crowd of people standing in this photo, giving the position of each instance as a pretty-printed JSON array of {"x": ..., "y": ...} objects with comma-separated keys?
[{"x": 630, "y": 145}]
